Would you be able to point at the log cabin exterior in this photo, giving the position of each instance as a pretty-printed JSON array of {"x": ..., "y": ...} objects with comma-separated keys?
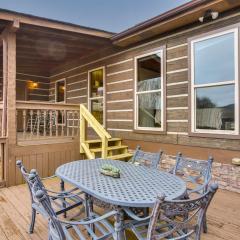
[{"x": 54, "y": 66}]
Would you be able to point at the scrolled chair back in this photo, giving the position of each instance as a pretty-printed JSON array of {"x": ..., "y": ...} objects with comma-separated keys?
[
  {"x": 40, "y": 196},
  {"x": 179, "y": 219},
  {"x": 147, "y": 158},
  {"x": 26, "y": 175},
  {"x": 195, "y": 171}
]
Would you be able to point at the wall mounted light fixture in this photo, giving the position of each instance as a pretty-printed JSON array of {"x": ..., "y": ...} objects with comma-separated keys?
[
  {"x": 209, "y": 15},
  {"x": 32, "y": 85}
]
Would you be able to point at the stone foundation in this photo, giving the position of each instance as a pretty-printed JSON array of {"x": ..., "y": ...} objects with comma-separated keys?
[{"x": 226, "y": 175}]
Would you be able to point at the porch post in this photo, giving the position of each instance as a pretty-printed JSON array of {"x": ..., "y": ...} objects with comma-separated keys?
[{"x": 9, "y": 128}]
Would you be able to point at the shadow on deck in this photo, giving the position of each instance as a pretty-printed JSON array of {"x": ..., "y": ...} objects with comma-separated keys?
[{"x": 223, "y": 215}]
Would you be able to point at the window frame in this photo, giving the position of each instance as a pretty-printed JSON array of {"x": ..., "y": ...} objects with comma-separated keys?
[
  {"x": 193, "y": 131},
  {"x": 56, "y": 90},
  {"x": 161, "y": 129},
  {"x": 89, "y": 99}
]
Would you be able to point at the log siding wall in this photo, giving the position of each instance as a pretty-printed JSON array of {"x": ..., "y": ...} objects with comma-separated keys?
[
  {"x": 40, "y": 93},
  {"x": 119, "y": 102}
]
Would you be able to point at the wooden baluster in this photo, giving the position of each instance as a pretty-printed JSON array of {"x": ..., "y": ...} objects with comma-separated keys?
[
  {"x": 44, "y": 122},
  {"x": 31, "y": 122},
  {"x": 24, "y": 123},
  {"x": 73, "y": 121},
  {"x": 82, "y": 131},
  {"x": 56, "y": 122},
  {"x": 38, "y": 122},
  {"x": 76, "y": 123},
  {"x": 51, "y": 122},
  {"x": 63, "y": 122},
  {"x": 67, "y": 123}
]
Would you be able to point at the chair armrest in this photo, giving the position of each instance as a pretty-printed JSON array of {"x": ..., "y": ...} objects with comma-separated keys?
[
  {"x": 64, "y": 196},
  {"x": 64, "y": 192},
  {"x": 198, "y": 188},
  {"x": 87, "y": 222},
  {"x": 45, "y": 178},
  {"x": 132, "y": 215}
]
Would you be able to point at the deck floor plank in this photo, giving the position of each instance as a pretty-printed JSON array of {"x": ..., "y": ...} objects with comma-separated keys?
[{"x": 15, "y": 213}]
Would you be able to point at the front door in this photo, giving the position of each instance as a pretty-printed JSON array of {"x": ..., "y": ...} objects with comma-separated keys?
[{"x": 96, "y": 93}]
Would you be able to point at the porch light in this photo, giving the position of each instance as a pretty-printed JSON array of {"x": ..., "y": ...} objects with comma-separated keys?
[
  {"x": 32, "y": 85},
  {"x": 209, "y": 15},
  {"x": 62, "y": 88}
]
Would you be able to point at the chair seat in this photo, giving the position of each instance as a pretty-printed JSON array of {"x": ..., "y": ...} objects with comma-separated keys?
[{"x": 99, "y": 230}]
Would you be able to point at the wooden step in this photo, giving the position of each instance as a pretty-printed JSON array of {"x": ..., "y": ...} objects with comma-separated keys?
[
  {"x": 112, "y": 148},
  {"x": 121, "y": 156},
  {"x": 99, "y": 140}
]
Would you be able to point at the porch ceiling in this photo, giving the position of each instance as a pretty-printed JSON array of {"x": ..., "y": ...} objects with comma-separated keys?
[{"x": 41, "y": 49}]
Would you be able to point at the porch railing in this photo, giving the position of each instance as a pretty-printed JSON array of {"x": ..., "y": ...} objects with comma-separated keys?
[
  {"x": 40, "y": 120},
  {"x": 87, "y": 118}
]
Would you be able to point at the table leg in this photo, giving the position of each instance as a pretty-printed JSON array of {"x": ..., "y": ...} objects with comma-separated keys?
[
  {"x": 62, "y": 187},
  {"x": 87, "y": 212},
  {"x": 119, "y": 225}
]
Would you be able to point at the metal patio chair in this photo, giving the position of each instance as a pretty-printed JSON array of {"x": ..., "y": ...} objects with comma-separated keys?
[
  {"x": 147, "y": 159},
  {"x": 196, "y": 173},
  {"x": 92, "y": 227},
  {"x": 176, "y": 219},
  {"x": 63, "y": 201}
]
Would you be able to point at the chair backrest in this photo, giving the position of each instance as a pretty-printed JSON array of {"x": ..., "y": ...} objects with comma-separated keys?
[
  {"x": 146, "y": 158},
  {"x": 27, "y": 177},
  {"x": 41, "y": 197},
  {"x": 179, "y": 218},
  {"x": 197, "y": 172}
]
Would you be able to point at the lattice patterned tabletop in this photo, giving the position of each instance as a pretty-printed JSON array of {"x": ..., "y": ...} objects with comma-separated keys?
[{"x": 138, "y": 186}]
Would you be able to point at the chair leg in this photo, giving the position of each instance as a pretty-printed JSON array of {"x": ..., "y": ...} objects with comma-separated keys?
[
  {"x": 205, "y": 229},
  {"x": 32, "y": 221}
]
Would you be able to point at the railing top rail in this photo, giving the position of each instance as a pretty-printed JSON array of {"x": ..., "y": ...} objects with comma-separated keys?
[
  {"x": 46, "y": 106},
  {"x": 100, "y": 130}
]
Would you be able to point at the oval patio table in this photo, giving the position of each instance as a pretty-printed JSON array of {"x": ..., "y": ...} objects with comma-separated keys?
[{"x": 138, "y": 186}]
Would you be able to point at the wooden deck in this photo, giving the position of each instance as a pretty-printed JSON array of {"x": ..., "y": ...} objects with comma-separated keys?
[{"x": 223, "y": 215}]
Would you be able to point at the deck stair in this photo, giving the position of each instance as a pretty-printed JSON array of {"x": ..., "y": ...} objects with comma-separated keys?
[{"x": 105, "y": 146}]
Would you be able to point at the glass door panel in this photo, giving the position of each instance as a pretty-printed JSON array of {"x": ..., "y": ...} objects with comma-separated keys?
[{"x": 96, "y": 94}]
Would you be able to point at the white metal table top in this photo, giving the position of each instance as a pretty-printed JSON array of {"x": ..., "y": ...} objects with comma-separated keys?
[{"x": 138, "y": 186}]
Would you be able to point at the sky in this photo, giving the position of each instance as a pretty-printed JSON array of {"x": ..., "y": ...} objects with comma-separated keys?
[{"x": 109, "y": 15}]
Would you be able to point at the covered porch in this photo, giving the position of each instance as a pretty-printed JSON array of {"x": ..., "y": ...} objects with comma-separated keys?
[{"x": 34, "y": 110}]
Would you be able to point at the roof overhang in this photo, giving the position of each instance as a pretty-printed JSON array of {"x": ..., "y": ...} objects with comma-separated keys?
[
  {"x": 181, "y": 16},
  {"x": 53, "y": 24}
]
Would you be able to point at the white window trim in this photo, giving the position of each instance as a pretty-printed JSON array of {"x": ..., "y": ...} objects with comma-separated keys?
[
  {"x": 89, "y": 99},
  {"x": 56, "y": 92},
  {"x": 223, "y": 83},
  {"x": 136, "y": 93}
]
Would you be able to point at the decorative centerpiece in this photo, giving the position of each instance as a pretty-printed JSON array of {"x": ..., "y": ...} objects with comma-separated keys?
[{"x": 110, "y": 170}]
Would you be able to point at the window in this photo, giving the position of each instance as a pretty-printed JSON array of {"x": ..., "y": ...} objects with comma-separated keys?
[
  {"x": 60, "y": 91},
  {"x": 149, "y": 91},
  {"x": 96, "y": 94},
  {"x": 60, "y": 88},
  {"x": 214, "y": 83}
]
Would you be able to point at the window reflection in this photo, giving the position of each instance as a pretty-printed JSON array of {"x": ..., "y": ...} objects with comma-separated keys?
[
  {"x": 149, "y": 112},
  {"x": 215, "y": 108},
  {"x": 214, "y": 59}
]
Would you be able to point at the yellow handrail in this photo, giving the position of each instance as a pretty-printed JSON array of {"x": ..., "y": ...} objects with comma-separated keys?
[{"x": 86, "y": 116}]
